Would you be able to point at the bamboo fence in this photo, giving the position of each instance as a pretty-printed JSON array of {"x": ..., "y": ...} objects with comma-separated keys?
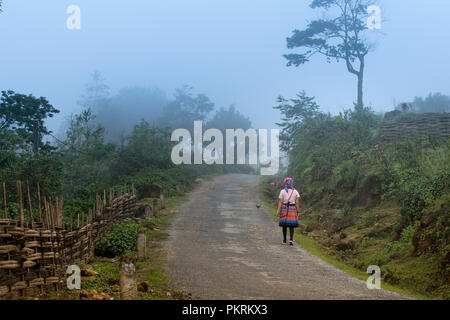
[
  {"x": 35, "y": 252},
  {"x": 430, "y": 124}
]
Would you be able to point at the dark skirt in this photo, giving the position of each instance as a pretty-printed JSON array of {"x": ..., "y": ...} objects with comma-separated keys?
[{"x": 288, "y": 216}]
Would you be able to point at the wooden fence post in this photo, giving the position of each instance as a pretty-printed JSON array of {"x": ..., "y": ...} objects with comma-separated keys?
[
  {"x": 61, "y": 214},
  {"x": 4, "y": 201},
  {"x": 142, "y": 244},
  {"x": 163, "y": 200},
  {"x": 30, "y": 209},
  {"x": 39, "y": 202},
  {"x": 19, "y": 190},
  {"x": 47, "y": 222},
  {"x": 127, "y": 278},
  {"x": 155, "y": 207}
]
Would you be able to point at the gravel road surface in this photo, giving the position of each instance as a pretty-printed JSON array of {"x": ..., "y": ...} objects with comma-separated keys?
[{"x": 221, "y": 246}]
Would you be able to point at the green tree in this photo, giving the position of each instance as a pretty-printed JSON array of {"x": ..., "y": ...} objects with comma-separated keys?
[
  {"x": 86, "y": 157},
  {"x": 25, "y": 115},
  {"x": 436, "y": 102},
  {"x": 186, "y": 108},
  {"x": 126, "y": 108},
  {"x": 147, "y": 147},
  {"x": 317, "y": 142},
  {"x": 294, "y": 113},
  {"x": 96, "y": 93},
  {"x": 229, "y": 118},
  {"x": 337, "y": 38}
]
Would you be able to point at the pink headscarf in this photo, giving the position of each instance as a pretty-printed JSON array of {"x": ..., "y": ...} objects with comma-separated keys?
[{"x": 288, "y": 182}]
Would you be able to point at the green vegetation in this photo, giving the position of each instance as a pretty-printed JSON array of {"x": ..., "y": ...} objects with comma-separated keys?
[
  {"x": 368, "y": 202},
  {"x": 91, "y": 155},
  {"x": 96, "y": 151},
  {"x": 151, "y": 270},
  {"x": 123, "y": 239},
  {"x": 324, "y": 253}
]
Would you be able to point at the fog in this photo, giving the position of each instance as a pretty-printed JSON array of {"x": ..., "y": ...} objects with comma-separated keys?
[{"x": 230, "y": 51}]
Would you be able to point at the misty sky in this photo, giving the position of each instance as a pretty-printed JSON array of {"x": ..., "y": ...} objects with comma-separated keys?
[{"x": 231, "y": 50}]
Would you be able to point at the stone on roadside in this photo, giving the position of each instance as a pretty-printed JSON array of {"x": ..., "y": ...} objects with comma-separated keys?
[{"x": 143, "y": 286}]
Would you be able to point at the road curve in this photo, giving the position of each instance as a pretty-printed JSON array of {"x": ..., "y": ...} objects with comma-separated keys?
[{"x": 221, "y": 246}]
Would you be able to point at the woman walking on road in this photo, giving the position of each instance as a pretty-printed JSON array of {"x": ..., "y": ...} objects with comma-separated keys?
[{"x": 288, "y": 208}]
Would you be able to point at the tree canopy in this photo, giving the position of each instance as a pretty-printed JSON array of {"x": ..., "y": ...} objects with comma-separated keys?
[
  {"x": 25, "y": 115},
  {"x": 340, "y": 37}
]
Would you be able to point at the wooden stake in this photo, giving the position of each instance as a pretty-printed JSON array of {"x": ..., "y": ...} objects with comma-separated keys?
[
  {"x": 29, "y": 204},
  {"x": 61, "y": 214},
  {"x": 39, "y": 202},
  {"x": 78, "y": 220},
  {"x": 51, "y": 210},
  {"x": 71, "y": 225},
  {"x": 47, "y": 221},
  {"x": 47, "y": 218},
  {"x": 56, "y": 212},
  {"x": 142, "y": 244},
  {"x": 97, "y": 204},
  {"x": 4, "y": 201},
  {"x": 19, "y": 190}
]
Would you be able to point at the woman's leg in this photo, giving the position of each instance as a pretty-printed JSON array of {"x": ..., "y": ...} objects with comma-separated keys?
[
  {"x": 291, "y": 233},
  {"x": 284, "y": 233}
]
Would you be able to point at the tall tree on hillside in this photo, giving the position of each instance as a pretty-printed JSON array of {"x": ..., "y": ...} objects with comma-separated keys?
[
  {"x": 96, "y": 93},
  {"x": 341, "y": 37},
  {"x": 128, "y": 107},
  {"x": 85, "y": 156},
  {"x": 436, "y": 102},
  {"x": 229, "y": 118},
  {"x": 294, "y": 113},
  {"x": 186, "y": 108},
  {"x": 25, "y": 115}
]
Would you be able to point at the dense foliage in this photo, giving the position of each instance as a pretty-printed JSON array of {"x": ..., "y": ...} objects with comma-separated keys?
[
  {"x": 123, "y": 239},
  {"x": 373, "y": 202},
  {"x": 101, "y": 146}
]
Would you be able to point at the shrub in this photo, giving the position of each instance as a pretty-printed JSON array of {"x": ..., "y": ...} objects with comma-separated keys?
[
  {"x": 149, "y": 223},
  {"x": 408, "y": 233},
  {"x": 122, "y": 239},
  {"x": 345, "y": 175}
]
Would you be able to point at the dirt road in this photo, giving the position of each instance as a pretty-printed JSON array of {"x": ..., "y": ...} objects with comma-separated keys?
[{"x": 221, "y": 246}]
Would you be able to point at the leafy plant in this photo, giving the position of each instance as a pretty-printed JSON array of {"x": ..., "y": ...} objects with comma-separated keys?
[{"x": 122, "y": 239}]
